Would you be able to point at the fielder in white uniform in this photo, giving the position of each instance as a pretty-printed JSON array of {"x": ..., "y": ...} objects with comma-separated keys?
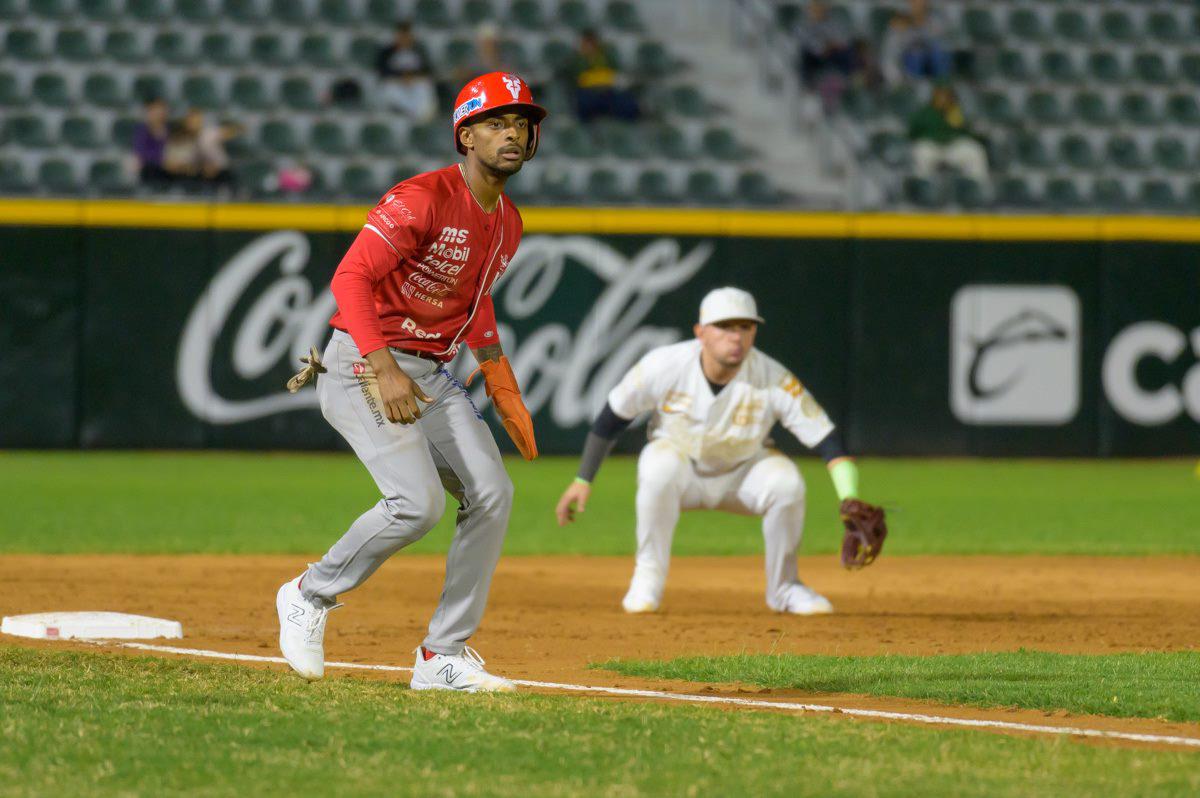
[{"x": 714, "y": 400}]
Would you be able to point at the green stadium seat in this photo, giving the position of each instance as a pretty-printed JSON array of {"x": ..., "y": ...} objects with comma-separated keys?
[
  {"x": 1015, "y": 192},
  {"x": 754, "y": 188},
  {"x": 80, "y": 133},
  {"x": 431, "y": 140},
  {"x": 244, "y": 10},
  {"x": 513, "y": 53},
  {"x": 149, "y": 86},
  {"x": 108, "y": 178},
  {"x": 11, "y": 93},
  {"x": 1182, "y": 109},
  {"x": 359, "y": 182},
  {"x": 704, "y": 188},
  {"x": 1109, "y": 194},
  {"x": 1012, "y": 66},
  {"x": 122, "y": 130},
  {"x": 1059, "y": 66},
  {"x": 653, "y": 60},
  {"x": 57, "y": 176},
  {"x": 627, "y": 142},
  {"x": 362, "y": 51},
  {"x": 968, "y": 193},
  {"x": 339, "y": 13},
  {"x": 126, "y": 47},
  {"x": 200, "y": 91},
  {"x": 50, "y": 89},
  {"x": 576, "y": 142},
  {"x": 279, "y": 136},
  {"x": 722, "y": 144},
  {"x": 172, "y": 47},
  {"x": 1118, "y": 26},
  {"x": 12, "y": 9},
  {"x": 1077, "y": 151},
  {"x": 1152, "y": 68},
  {"x": 997, "y": 108},
  {"x": 555, "y": 186},
  {"x": 575, "y": 15},
  {"x": 1105, "y": 67},
  {"x": 317, "y": 49},
  {"x": 270, "y": 50},
  {"x": 1072, "y": 25},
  {"x": 52, "y": 9},
  {"x": 903, "y": 101},
  {"x": 1139, "y": 109},
  {"x": 1193, "y": 197},
  {"x": 29, "y": 131},
  {"x": 1045, "y": 108},
  {"x": 1158, "y": 195},
  {"x": 101, "y": 10},
  {"x": 104, "y": 90},
  {"x": 378, "y": 138},
  {"x": 148, "y": 10},
  {"x": 25, "y": 44},
  {"x": 979, "y": 23},
  {"x": 1170, "y": 153},
  {"x": 1125, "y": 152},
  {"x": 924, "y": 193},
  {"x": 13, "y": 179},
  {"x": 458, "y": 53},
  {"x": 1024, "y": 24},
  {"x": 399, "y": 174},
  {"x": 687, "y": 100},
  {"x": 476, "y": 11},
  {"x": 196, "y": 10},
  {"x": 1092, "y": 108},
  {"x": 249, "y": 92},
  {"x": 298, "y": 94},
  {"x": 290, "y": 12},
  {"x": 1164, "y": 26},
  {"x": 329, "y": 138},
  {"x": 257, "y": 177},
  {"x": 527, "y": 15},
  {"x": 557, "y": 54},
  {"x": 858, "y": 104},
  {"x": 653, "y": 186},
  {"x": 73, "y": 44},
  {"x": 384, "y": 12},
  {"x": 222, "y": 49},
  {"x": 889, "y": 147},
  {"x": 604, "y": 186},
  {"x": 623, "y": 15},
  {"x": 1189, "y": 67},
  {"x": 1062, "y": 193},
  {"x": 432, "y": 14},
  {"x": 672, "y": 143},
  {"x": 1031, "y": 151}
]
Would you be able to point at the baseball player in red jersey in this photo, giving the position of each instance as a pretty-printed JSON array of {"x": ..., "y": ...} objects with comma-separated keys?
[{"x": 415, "y": 286}]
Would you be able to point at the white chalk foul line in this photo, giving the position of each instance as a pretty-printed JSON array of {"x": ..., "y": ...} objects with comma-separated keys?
[{"x": 879, "y": 714}]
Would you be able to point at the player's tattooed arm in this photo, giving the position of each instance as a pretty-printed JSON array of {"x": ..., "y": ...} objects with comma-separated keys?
[{"x": 489, "y": 352}]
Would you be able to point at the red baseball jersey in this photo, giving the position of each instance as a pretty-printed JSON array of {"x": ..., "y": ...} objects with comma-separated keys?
[{"x": 419, "y": 275}]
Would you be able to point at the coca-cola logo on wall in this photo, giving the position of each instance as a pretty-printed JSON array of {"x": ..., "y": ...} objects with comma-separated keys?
[{"x": 567, "y": 369}]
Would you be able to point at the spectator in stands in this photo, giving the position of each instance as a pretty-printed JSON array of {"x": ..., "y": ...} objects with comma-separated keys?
[
  {"x": 827, "y": 53},
  {"x": 406, "y": 77},
  {"x": 941, "y": 137},
  {"x": 599, "y": 92},
  {"x": 150, "y": 142},
  {"x": 922, "y": 49},
  {"x": 210, "y": 156}
]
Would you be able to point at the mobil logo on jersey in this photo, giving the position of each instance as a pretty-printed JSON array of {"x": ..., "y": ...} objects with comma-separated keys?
[{"x": 1015, "y": 354}]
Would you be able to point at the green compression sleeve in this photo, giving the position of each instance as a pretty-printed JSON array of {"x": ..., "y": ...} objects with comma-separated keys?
[{"x": 844, "y": 474}]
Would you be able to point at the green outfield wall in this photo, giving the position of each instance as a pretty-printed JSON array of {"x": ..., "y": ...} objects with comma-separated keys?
[{"x": 126, "y": 324}]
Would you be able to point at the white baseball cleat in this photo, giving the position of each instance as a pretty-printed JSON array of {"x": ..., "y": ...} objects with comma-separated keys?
[
  {"x": 803, "y": 600},
  {"x": 302, "y": 630},
  {"x": 637, "y": 601},
  {"x": 645, "y": 592},
  {"x": 456, "y": 672}
]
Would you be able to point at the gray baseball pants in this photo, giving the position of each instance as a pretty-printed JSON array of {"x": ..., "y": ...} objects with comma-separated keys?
[{"x": 450, "y": 449}]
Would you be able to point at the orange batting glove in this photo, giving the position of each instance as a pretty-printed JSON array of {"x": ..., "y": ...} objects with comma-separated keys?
[{"x": 506, "y": 396}]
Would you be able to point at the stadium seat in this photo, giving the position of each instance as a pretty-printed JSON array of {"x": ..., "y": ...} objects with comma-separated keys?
[
  {"x": 299, "y": 94},
  {"x": 703, "y": 187},
  {"x": 1158, "y": 195},
  {"x": 1193, "y": 197},
  {"x": 623, "y": 15},
  {"x": 339, "y": 13},
  {"x": 148, "y": 10},
  {"x": 1152, "y": 68},
  {"x": 101, "y": 10},
  {"x": 722, "y": 144},
  {"x": 222, "y": 49},
  {"x": 244, "y": 10},
  {"x": 290, "y": 12},
  {"x": 196, "y": 10},
  {"x": 686, "y": 100},
  {"x": 50, "y": 89},
  {"x": 360, "y": 182},
  {"x": 279, "y": 136},
  {"x": 556, "y": 54},
  {"x": 126, "y": 47},
  {"x": 859, "y": 104},
  {"x": 122, "y": 130},
  {"x": 903, "y": 101},
  {"x": 1137, "y": 108},
  {"x": 1118, "y": 26},
  {"x": 1076, "y": 151},
  {"x": 754, "y": 188},
  {"x": 555, "y": 186},
  {"x": 1182, "y": 109},
  {"x": 1189, "y": 67},
  {"x": 173, "y": 48},
  {"x": 432, "y": 14},
  {"x": 149, "y": 86},
  {"x": 653, "y": 60},
  {"x": 997, "y": 108},
  {"x": 249, "y": 92},
  {"x": 13, "y": 179},
  {"x": 377, "y": 138},
  {"x": 672, "y": 143},
  {"x": 431, "y": 140},
  {"x": 25, "y": 44},
  {"x": 1125, "y": 152},
  {"x": 57, "y": 176},
  {"x": 527, "y": 15},
  {"x": 108, "y": 177},
  {"x": 11, "y": 93},
  {"x": 968, "y": 193},
  {"x": 73, "y": 44},
  {"x": 51, "y": 9},
  {"x": 1105, "y": 67},
  {"x": 1025, "y": 25},
  {"x": 653, "y": 186},
  {"x": 1059, "y": 66},
  {"x": 1044, "y": 108},
  {"x": 80, "y": 133},
  {"x": 604, "y": 186},
  {"x": 1109, "y": 194},
  {"x": 626, "y": 141},
  {"x": 362, "y": 51},
  {"x": 1062, "y": 193},
  {"x": 476, "y": 11},
  {"x": 384, "y": 13},
  {"x": 1072, "y": 25},
  {"x": 271, "y": 50},
  {"x": 1012, "y": 66},
  {"x": 29, "y": 131},
  {"x": 1164, "y": 26},
  {"x": 200, "y": 91},
  {"x": 1092, "y": 108},
  {"x": 12, "y": 9},
  {"x": 458, "y": 53},
  {"x": 1031, "y": 151},
  {"x": 104, "y": 90},
  {"x": 328, "y": 138},
  {"x": 317, "y": 49},
  {"x": 924, "y": 193},
  {"x": 1170, "y": 153},
  {"x": 575, "y": 15},
  {"x": 979, "y": 23},
  {"x": 889, "y": 147},
  {"x": 576, "y": 142},
  {"x": 257, "y": 177}
]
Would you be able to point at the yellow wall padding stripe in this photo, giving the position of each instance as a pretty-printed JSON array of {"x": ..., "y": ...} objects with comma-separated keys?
[{"x": 643, "y": 221}]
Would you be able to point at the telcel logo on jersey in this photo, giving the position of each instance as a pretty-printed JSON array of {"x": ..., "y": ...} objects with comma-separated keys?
[{"x": 1014, "y": 354}]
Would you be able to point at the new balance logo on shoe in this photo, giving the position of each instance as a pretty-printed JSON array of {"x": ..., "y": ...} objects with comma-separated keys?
[
  {"x": 296, "y": 614},
  {"x": 448, "y": 670}
]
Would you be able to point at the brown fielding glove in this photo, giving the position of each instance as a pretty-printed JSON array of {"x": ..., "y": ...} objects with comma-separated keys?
[
  {"x": 506, "y": 396},
  {"x": 313, "y": 366},
  {"x": 865, "y": 531}
]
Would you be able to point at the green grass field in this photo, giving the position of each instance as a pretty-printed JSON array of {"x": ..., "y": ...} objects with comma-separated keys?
[
  {"x": 295, "y": 503},
  {"x": 1150, "y": 685},
  {"x": 89, "y": 724}
]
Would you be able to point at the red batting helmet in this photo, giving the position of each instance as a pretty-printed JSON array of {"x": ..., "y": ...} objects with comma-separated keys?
[{"x": 493, "y": 91}]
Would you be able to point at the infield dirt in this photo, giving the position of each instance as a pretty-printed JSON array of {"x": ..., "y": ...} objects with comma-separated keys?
[{"x": 549, "y": 617}]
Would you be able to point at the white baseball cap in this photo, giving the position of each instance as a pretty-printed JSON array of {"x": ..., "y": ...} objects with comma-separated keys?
[{"x": 725, "y": 304}]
